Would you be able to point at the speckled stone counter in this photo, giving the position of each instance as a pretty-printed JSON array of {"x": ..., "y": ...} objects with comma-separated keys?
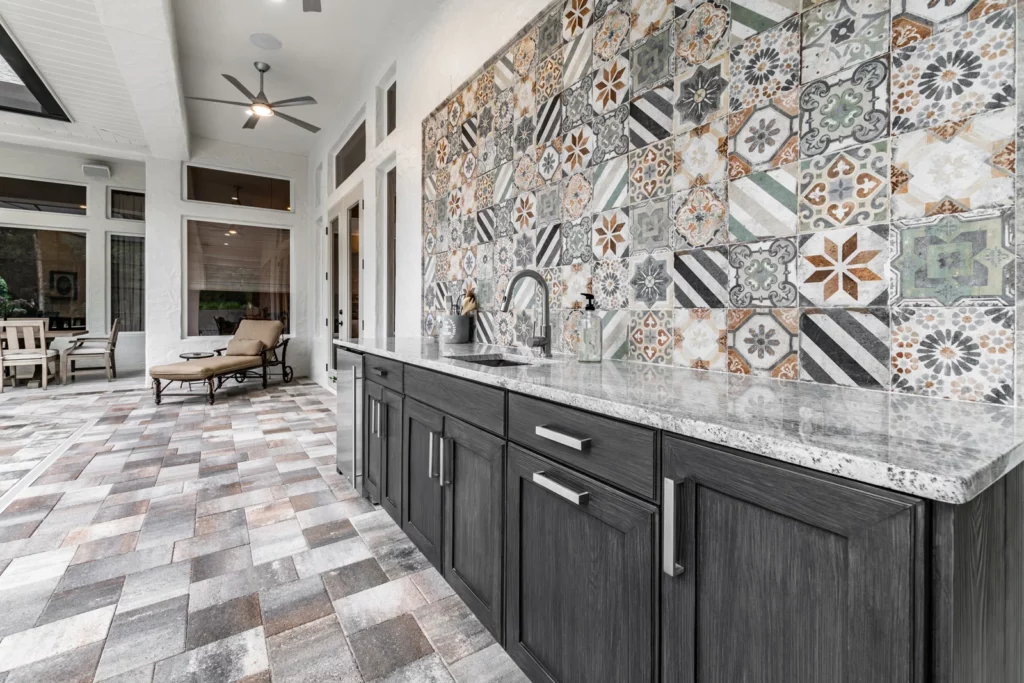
[{"x": 941, "y": 450}]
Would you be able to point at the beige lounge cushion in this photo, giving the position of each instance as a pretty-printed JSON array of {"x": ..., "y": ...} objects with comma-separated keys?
[
  {"x": 267, "y": 331},
  {"x": 244, "y": 347},
  {"x": 204, "y": 368}
]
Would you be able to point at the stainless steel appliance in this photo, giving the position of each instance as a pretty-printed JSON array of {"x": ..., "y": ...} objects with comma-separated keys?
[{"x": 350, "y": 411}]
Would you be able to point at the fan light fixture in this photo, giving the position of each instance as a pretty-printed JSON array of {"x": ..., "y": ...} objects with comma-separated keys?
[
  {"x": 262, "y": 110},
  {"x": 260, "y": 106}
]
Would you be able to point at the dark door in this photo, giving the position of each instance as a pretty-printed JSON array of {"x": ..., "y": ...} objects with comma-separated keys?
[
  {"x": 391, "y": 454},
  {"x": 472, "y": 475},
  {"x": 770, "y": 574},
  {"x": 581, "y": 574},
  {"x": 421, "y": 514},
  {"x": 374, "y": 394}
]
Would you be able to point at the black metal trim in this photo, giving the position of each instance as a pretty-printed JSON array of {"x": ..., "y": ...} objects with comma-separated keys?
[{"x": 13, "y": 55}]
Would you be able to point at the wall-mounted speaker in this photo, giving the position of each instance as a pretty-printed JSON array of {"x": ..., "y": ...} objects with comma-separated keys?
[{"x": 96, "y": 170}]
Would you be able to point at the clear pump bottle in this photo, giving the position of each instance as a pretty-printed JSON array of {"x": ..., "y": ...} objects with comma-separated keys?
[{"x": 590, "y": 348}]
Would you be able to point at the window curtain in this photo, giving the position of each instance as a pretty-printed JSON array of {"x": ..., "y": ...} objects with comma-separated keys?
[{"x": 128, "y": 282}]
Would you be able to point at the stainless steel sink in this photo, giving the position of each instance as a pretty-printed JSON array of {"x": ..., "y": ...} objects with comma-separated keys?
[{"x": 493, "y": 360}]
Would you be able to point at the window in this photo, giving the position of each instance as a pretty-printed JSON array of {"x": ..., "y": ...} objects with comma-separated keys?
[
  {"x": 128, "y": 282},
  {"x": 351, "y": 156},
  {"x": 392, "y": 107},
  {"x": 42, "y": 275},
  {"x": 127, "y": 205},
  {"x": 236, "y": 272},
  {"x": 21, "y": 88},
  {"x": 42, "y": 195},
  {"x": 239, "y": 189}
]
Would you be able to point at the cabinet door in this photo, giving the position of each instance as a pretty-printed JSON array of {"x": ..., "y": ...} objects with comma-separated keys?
[
  {"x": 472, "y": 473},
  {"x": 773, "y": 574},
  {"x": 423, "y": 430},
  {"x": 374, "y": 395},
  {"x": 391, "y": 454},
  {"x": 581, "y": 577}
]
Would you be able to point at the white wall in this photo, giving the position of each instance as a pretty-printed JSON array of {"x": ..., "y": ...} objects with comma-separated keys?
[
  {"x": 166, "y": 214},
  {"x": 448, "y": 49},
  {"x": 46, "y": 164}
]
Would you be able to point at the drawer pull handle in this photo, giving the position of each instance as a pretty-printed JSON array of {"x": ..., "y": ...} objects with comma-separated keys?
[
  {"x": 575, "y": 442},
  {"x": 373, "y": 431},
  {"x": 379, "y": 372},
  {"x": 670, "y": 515},
  {"x": 430, "y": 457},
  {"x": 572, "y": 495},
  {"x": 376, "y": 405}
]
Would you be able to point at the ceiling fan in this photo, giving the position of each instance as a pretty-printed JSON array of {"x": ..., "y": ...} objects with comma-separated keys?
[{"x": 259, "y": 106}]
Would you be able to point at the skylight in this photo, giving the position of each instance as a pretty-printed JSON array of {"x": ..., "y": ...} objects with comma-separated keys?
[{"x": 21, "y": 88}]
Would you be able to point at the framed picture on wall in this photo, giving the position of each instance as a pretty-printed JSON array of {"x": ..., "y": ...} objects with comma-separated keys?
[{"x": 63, "y": 285}]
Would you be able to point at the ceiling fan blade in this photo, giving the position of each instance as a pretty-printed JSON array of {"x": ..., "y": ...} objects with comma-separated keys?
[
  {"x": 208, "y": 99},
  {"x": 310, "y": 5},
  {"x": 302, "y": 124},
  {"x": 294, "y": 101},
  {"x": 238, "y": 84},
  {"x": 251, "y": 122}
]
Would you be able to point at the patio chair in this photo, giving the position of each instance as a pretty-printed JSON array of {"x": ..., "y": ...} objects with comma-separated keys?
[
  {"x": 25, "y": 344},
  {"x": 91, "y": 348}
]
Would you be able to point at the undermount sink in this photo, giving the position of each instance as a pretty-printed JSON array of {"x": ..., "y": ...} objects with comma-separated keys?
[{"x": 493, "y": 360}]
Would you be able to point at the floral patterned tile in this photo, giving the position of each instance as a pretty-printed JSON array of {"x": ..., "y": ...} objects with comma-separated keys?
[
  {"x": 526, "y": 176},
  {"x": 611, "y": 235},
  {"x": 765, "y": 65},
  {"x": 954, "y": 75},
  {"x": 845, "y": 267},
  {"x": 549, "y": 77},
  {"x": 576, "y": 279},
  {"x": 916, "y": 20},
  {"x": 576, "y": 109},
  {"x": 647, "y": 17},
  {"x": 650, "y": 172},
  {"x": 954, "y": 260},
  {"x": 611, "y": 36},
  {"x": 764, "y": 342},
  {"x": 756, "y": 16},
  {"x": 577, "y": 16},
  {"x": 651, "y": 226},
  {"x": 650, "y": 337},
  {"x": 955, "y": 167},
  {"x": 611, "y": 284},
  {"x": 504, "y": 260},
  {"x": 960, "y": 353},
  {"x": 850, "y": 187},
  {"x": 549, "y": 160},
  {"x": 611, "y": 86},
  {"x": 576, "y": 241},
  {"x": 525, "y": 95},
  {"x": 650, "y": 282},
  {"x": 700, "y": 217},
  {"x": 848, "y": 108},
  {"x": 577, "y": 195},
  {"x": 523, "y": 250},
  {"x": 524, "y": 212},
  {"x": 651, "y": 61},
  {"x": 764, "y": 137},
  {"x": 701, "y": 35},
  {"x": 701, "y": 278},
  {"x": 611, "y": 184},
  {"x": 763, "y": 274},
  {"x": 701, "y": 156},
  {"x": 611, "y": 134},
  {"x": 700, "y": 339},
  {"x": 524, "y": 137},
  {"x": 763, "y": 205},
  {"x": 840, "y": 33},
  {"x": 577, "y": 150},
  {"x": 650, "y": 116},
  {"x": 847, "y": 347},
  {"x": 702, "y": 93},
  {"x": 503, "y": 225}
]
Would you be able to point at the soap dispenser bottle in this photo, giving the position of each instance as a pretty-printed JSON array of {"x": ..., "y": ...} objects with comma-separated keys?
[{"x": 590, "y": 333}]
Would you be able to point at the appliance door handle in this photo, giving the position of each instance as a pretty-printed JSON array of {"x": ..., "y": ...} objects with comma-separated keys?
[
  {"x": 430, "y": 456},
  {"x": 355, "y": 421},
  {"x": 376, "y": 410},
  {"x": 382, "y": 425},
  {"x": 442, "y": 474},
  {"x": 575, "y": 442},
  {"x": 574, "y": 496},
  {"x": 670, "y": 518}
]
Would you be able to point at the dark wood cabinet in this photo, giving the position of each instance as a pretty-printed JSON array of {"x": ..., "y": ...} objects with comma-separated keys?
[
  {"x": 390, "y": 437},
  {"x": 472, "y": 474},
  {"x": 581, "y": 576},
  {"x": 421, "y": 514},
  {"x": 774, "y": 574},
  {"x": 373, "y": 396}
]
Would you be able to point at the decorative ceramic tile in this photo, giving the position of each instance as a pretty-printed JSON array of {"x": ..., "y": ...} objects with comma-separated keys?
[
  {"x": 577, "y": 150},
  {"x": 850, "y": 187},
  {"x": 504, "y": 72},
  {"x": 765, "y": 137},
  {"x": 845, "y": 267},
  {"x": 525, "y": 94},
  {"x": 503, "y": 256},
  {"x": 700, "y": 217},
  {"x": 485, "y": 224},
  {"x": 523, "y": 250},
  {"x": 701, "y": 156},
  {"x": 549, "y": 206},
  {"x": 469, "y": 134},
  {"x": 955, "y": 167},
  {"x": 954, "y": 75},
  {"x": 610, "y": 37},
  {"x": 504, "y": 146},
  {"x": 611, "y": 184},
  {"x": 548, "y": 124},
  {"x": 615, "y": 333},
  {"x": 652, "y": 226},
  {"x": 524, "y": 211},
  {"x": 485, "y": 190},
  {"x": 647, "y": 17},
  {"x": 577, "y": 58},
  {"x": 547, "y": 246},
  {"x": 915, "y": 20},
  {"x": 524, "y": 55},
  {"x": 549, "y": 161},
  {"x": 485, "y": 260},
  {"x": 611, "y": 234},
  {"x": 700, "y": 339},
  {"x": 549, "y": 33},
  {"x": 611, "y": 86},
  {"x": 526, "y": 177},
  {"x": 577, "y": 15},
  {"x": 841, "y": 33},
  {"x": 576, "y": 243},
  {"x": 611, "y": 132},
  {"x": 650, "y": 337},
  {"x": 650, "y": 172},
  {"x": 846, "y": 109},
  {"x": 961, "y": 353},
  {"x": 651, "y": 61},
  {"x": 763, "y": 205},
  {"x": 702, "y": 35},
  {"x": 848, "y": 347},
  {"x": 524, "y": 136},
  {"x": 504, "y": 109},
  {"x": 956, "y": 260},
  {"x": 702, "y": 93},
  {"x": 763, "y": 274},
  {"x": 650, "y": 281},
  {"x": 611, "y": 284},
  {"x": 576, "y": 279},
  {"x": 577, "y": 195},
  {"x": 764, "y": 342},
  {"x": 765, "y": 66},
  {"x": 549, "y": 77},
  {"x": 503, "y": 225},
  {"x": 576, "y": 109},
  {"x": 650, "y": 116},
  {"x": 701, "y": 278},
  {"x": 504, "y": 328},
  {"x": 754, "y": 16}
]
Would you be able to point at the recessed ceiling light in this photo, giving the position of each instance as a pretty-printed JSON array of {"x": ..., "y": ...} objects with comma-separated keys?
[
  {"x": 265, "y": 41},
  {"x": 226, "y": 244},
  {"x": 233, "y": 232}
]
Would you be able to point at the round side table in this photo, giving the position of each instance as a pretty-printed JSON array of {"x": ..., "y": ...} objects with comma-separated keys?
[{"x": 195, "y": 355}]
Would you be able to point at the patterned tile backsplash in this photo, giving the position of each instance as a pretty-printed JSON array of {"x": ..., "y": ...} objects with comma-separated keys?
[{"x": 821, "y": 193}]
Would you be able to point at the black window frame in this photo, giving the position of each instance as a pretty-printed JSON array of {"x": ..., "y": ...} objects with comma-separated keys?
[
  {"x": 187, "y": 186},
  {"x": 80, "y": 211},
  {"x": 124, "y": 190},
  {"x": 347, "y": 148},
  {"x": 16, "y": 59}
]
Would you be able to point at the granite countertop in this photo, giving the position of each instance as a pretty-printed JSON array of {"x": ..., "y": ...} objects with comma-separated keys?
[{"x": 946, "y": 451}]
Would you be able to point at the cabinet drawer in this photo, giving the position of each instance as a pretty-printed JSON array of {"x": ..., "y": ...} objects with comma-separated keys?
[
  {"x": 475, "y": 403},
  {"x": 620, "y": 453},
  {"x": 383, "y": 371}
]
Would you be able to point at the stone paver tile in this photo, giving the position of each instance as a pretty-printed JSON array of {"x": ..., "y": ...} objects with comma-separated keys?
[
  {"x": 308, "y": 501},
  {"x": 223, "y": 562},
  {"x": 144, "y": 635},
  {"x": 234, "y": 502},
  {"x": 429, "y": 669},
  {"x": 240, "y": 657},
  {"x": 220, "y": 521},
  {"x": 38, "y": 567},
  {"x": 275, "y": 541},
  {"x": 210, "y": 543},
  {"x": 315, "y": 651},
  {"x": 252, "y": 580},
  {"x": 490, "y": 665},
  {"x": 223, "y": 620},
  {"x": 107, "y": 547},
  {"x": 76, "y": 666},
  {"x": 20, "y": 607},
  {"x": 331, "y": 532},
  {"x": 154, "y": 585},
  {"x": 109, "y": 514},
  {"x": 345, "y": 509},
  {"x": 328, "y": 557},
  {"x": 432, "y": 585},
  {"x": 452, "y": 629},
  {"x": 383, "y": 648},
  {"x": 354, "y": 578},
  {"x": 269, "y": 513},
  {"x": 95, "y": 532},
  {"x": 78, "y": 600},
  {"x": 53, "y": 639},
  {"x": 371, "y": 607},
  {"x": 118, "y": 565},
  {"x": 293, "y": 604}
]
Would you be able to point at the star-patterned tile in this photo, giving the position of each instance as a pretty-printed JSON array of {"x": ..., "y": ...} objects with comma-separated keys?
[
  {"x": 650, "y": 281},
  {"x": 701, "y": 156},
  {"x": 611, "y": 234},
  {"x": 701, "y": 93},
  {"x": 650, "y": 172},
  {"x": 702, "y": 35},
  {"x": 651, "y": 61},
  {"x": 845, "y": 267},
  {"x": 765, "y": 65},
  {"x": 915, "y": 20},
  {"x": 651, "y": 227}
]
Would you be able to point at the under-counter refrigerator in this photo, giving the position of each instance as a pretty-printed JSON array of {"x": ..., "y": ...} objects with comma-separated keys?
[{"x": 350, "y": 411}]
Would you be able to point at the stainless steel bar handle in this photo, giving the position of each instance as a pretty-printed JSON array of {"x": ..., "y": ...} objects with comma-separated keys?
[
  {"x": 356, "y": 418},
  {"x": 669, "y": 514},
  {"x": 573, "y": 496},
  {"x": 377, "y": 404},
  {"x": 370, "y": 408},
  {"x": 576, "y": 442},
  {"x": 430, "y": 456},
  {"x": 440, "y": 468}
]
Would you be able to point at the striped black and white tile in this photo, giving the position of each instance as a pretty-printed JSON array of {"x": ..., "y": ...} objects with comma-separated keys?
[
  {"x": 845, "y": 346},
  {"x": 701, "y": 278}
]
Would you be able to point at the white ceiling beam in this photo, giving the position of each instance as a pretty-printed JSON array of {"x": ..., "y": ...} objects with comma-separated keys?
[{"x": 141, "y": 34}]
